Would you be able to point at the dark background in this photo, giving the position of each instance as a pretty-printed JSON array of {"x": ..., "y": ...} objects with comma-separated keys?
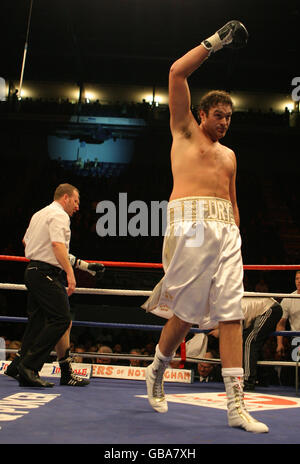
[{"x": 122, "y": 41}]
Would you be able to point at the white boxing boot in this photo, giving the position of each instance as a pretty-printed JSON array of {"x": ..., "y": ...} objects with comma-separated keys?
[
  {"x": 237, "y": 414},
  {"x": 155, "y": 381}
]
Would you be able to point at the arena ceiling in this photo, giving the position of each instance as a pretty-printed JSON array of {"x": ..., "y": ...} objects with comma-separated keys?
[{"x": 135, "y": 41}]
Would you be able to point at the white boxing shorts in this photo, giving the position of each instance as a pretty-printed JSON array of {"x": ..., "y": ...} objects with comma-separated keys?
[{"x": 203, "y": 280}]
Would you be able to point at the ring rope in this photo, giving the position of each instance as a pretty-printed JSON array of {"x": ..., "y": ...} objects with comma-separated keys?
[
  {"x": 112, "y": 325},
  {"x": 249, "y": 267},
  {"x": 94, "y": 355},
  {"x": 119, "y": 292},
  {"x": 117, "y": 325},
  {"x": 105, "y": 263},
  {"x": 89, "y": 291}
]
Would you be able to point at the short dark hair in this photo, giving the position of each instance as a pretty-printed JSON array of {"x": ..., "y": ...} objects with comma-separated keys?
[
  {"x": 213, "y": 98},
  {"x": 63, "y": 189}
]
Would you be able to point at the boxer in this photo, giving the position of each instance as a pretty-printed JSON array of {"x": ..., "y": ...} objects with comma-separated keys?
[{"x": 202, "y": 284}]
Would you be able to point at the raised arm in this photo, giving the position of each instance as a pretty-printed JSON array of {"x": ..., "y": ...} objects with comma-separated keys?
[
  {"x": 179, "y": 93},
  {"x": 233, "y": 34}
]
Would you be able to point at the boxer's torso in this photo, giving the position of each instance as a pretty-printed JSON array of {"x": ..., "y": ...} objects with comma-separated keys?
[{"x": 200, "y": 166}]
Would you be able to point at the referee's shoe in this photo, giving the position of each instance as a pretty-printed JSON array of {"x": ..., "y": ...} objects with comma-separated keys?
[{"x": 29, "y": 378}]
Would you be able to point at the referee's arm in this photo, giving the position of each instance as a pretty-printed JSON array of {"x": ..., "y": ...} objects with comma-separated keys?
[{"x": 62, "y": 256}]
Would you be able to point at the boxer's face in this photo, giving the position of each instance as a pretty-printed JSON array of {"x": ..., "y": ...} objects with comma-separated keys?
[{"x": 217, "y": 121}]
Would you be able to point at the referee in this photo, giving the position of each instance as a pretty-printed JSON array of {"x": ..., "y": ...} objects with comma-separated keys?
[{"x": 46, "y": 244}]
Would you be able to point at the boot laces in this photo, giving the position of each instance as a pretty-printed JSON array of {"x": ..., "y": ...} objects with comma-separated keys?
[{"x": 158, "y": 386}]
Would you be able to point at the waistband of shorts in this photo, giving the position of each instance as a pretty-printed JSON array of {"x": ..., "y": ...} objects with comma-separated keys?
[
  {"x": 46, "y": 266},
  {"x": 198, "y": 209}
]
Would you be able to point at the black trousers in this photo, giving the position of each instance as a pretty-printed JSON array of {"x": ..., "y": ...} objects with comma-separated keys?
[
  {"x": 254, "y": 338},
  {"x": 48, "y": 312}
]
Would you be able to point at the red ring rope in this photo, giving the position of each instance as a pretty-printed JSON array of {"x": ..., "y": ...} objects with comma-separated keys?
[
  {"x": 247, "y": 267},
  {"x": 105, "y": 263}
]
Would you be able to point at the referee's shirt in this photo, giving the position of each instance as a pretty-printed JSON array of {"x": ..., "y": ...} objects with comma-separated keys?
[
  {"x": 50, "y": 224},
  {"x": 291, "y": 311}
]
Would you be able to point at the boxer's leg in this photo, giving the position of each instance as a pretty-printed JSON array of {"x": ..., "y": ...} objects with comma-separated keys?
[
  {"x": 231, "y": 336},
  {"x": 172, "y": 335},
  {"x": 232, "y": 372}
]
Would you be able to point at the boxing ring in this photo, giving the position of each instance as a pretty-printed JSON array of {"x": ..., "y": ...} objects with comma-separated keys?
[{"x": 114, "y": 409}]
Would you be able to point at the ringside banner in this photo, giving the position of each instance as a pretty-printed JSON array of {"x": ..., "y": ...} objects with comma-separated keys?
[
  {"x": 138, "y": 373},
  {"x": 110, "y": 372}
]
